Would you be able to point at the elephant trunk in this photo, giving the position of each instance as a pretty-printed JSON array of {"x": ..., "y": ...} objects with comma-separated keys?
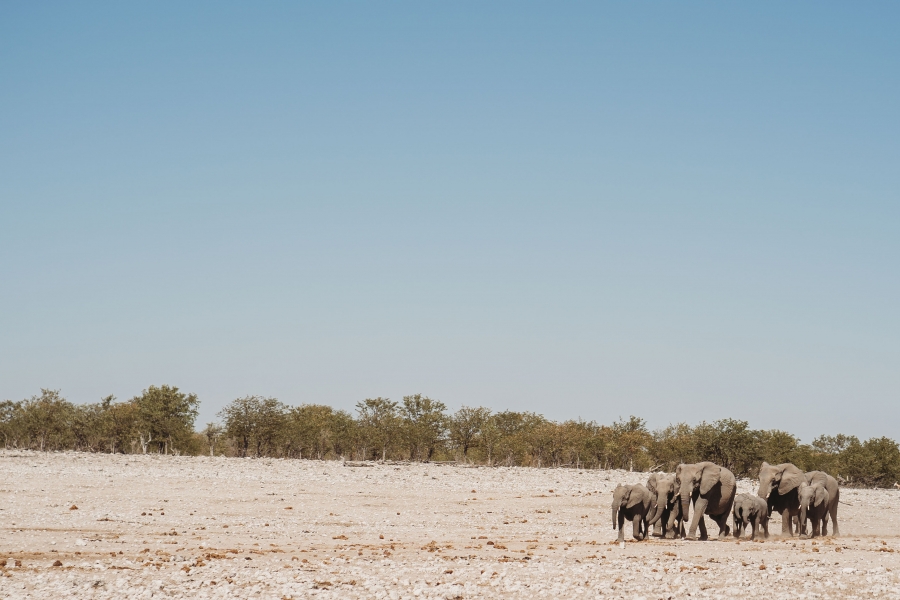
[
  {"x": 615, "y": 511},
  {"x": 661, "y": 502},
  {"x": 685, "y": 506},
  {"x": 764, "y": 489},
  {"x": 802, "y": 528}
]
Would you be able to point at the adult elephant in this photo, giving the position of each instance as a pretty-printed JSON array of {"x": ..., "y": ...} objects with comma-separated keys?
[
  {"x": 665, "y": 513},
  {"x": 651, "y": 485},
  {"x": 834, "y": 495},
  {"x": 712, "y": 489},
  {"x": 778, "y": 486}
]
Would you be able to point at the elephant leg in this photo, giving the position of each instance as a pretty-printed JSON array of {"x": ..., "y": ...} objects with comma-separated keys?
[
  {"x": 722, "y": 522},
  {"x": 636, "y": 527},
  {"x": 724, "y": 528},
  {"x": 621, "y": 537},
  {"x": 834, "y": 524},
  {"x": 786, "y": 521},
  {"x": 673, "y": 526},
  {"x": 753, "y": 528},
  {"x": 699, "y": 508}
]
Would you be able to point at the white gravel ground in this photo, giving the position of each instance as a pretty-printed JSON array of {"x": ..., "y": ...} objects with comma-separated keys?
[{"x": 155, "y": 526}]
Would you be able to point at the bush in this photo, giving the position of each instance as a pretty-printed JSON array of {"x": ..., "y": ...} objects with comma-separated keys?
[{"x": 162, "y": 418}]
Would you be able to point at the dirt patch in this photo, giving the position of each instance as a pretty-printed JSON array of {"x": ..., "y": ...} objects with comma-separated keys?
[{"x": 216, "y": 526}]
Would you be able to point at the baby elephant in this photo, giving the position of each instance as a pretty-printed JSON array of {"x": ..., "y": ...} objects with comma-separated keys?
[
  {"x": 813, "y": 506},
  {"x": 631, "y": 502},
  {"x": 750, "y": 510}
]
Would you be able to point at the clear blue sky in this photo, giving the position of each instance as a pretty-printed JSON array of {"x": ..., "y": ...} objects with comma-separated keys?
[{"x": 684, "y": 211}]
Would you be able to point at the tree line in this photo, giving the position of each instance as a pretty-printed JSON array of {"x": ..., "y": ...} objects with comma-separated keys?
[{"x": 418, "y": 428}]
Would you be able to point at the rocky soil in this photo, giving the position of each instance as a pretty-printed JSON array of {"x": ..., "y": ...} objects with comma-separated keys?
[{"x": 100, "y": 526}]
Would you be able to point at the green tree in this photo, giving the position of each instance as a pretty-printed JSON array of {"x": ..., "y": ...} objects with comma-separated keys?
[
  {"x": 345, "y": 435},
  {"x": 875, "y": 462},
  {"x": 9, "y": 412},
  {"x": 600, "y": 445},
  {"x": 730, "y": 443},
  {"x": 886, "y": 461},
  {"x": 509, "y": 428},
  {"x": 825, "y": 453},
  {"x": 213, "y": 432},
  {"x": 166, "y": 417},
  {"x": 121, "y": 424},
  {"x": 379, "y": 421},
  {"x": 254, "y": 423},
  {"x": 833, "y": 444},
  {"x": 47, "y": 420},
  {"x": 674, "y": 445},
  {"x": 424, "y": 425},
  {"x": 577, "y": 436},
  {"x": 465, "y": 427},
  {"x": 87, "y": 424},
  {"x": 313, "y": 428},
  {"x": 632, "y": 440},
  {"x": 776, "y": 447}
]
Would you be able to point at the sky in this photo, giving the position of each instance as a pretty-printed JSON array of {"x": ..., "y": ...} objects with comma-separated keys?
[{"x": 682, "y": 211}]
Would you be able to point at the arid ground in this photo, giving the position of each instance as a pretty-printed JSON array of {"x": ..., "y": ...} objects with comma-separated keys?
[{"x": 101, "y": 526}]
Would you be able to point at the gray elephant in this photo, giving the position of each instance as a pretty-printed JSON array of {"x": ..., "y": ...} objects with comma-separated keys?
[
  {"x": 665, "y": 509},
  {"x": 814, "y": 503},
  {"x": 753, "y": 511},
  {"x": 778, "y": 485},
  {"x": 834, "y": 498},
  {"x": 631, "y": 502},
  {"x": 651, "y": 486},
  {"x": 712, "y": 489}
]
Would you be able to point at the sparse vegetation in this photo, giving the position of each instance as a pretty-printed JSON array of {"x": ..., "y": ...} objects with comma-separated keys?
[{"x": 419, "y": 428}]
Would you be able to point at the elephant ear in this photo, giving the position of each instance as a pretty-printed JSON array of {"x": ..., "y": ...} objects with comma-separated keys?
[
  {"x": 821, "y": 495},
  {"x": 709, "y": 478},
  {"x": 791, "y": 478},
  {"x": 634, "y": 498},
  {"x": 651, "y": 483},
  {"x": 814, "y": 477}
]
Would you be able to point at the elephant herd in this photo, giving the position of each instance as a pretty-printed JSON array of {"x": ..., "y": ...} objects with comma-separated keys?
[{"x": 665, "y": 502}]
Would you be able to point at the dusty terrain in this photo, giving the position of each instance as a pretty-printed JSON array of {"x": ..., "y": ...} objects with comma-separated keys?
[{"x": 100, "y": 526}]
